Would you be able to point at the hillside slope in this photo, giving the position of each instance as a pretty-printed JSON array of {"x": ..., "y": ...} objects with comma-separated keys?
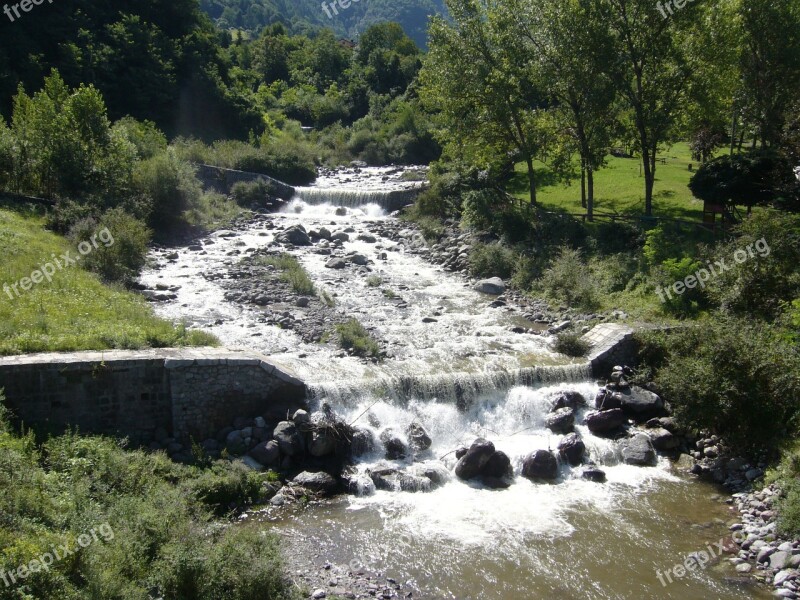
[{"x": 300, "y": 15}]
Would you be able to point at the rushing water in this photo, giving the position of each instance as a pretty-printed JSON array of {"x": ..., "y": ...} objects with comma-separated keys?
[{"x": 462, "y": 375}]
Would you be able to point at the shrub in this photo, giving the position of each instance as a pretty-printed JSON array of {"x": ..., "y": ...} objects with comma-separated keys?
[
  {"x": 226, "y": 485},
  {"x": 492, "y": 260},
  {"x": 374, "y": 281},
  {"x": 249, "y": 193},
  {"x": 673, "y": 270},
  {"x": 571, "y": 344},
  {"x": 123, "y": 246},
  {"x": 171, "y": 184},
  {"x": 292, "y": 272},
  {"x": 739, "y": 377},
  {"x": 743, "y": 179},
  {"x": 354, "y": 337},
  {"x": 569, "y": 280}
]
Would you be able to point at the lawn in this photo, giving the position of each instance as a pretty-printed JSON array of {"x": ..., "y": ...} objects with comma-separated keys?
[
  {"x": 619, "y": 187},
  {"x": 75, "y": 311}
]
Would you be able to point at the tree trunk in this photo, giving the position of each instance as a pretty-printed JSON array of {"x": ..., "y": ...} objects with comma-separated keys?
[
  {"x": 583, "y": 183},
  {"x": 648, "y": 164},
  {"x": 590, "y": 199},
  {"x": 531, "y": 179}
]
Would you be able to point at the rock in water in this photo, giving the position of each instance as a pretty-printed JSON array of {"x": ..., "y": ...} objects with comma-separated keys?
[
  {"x": 638, "y": 450},
  {"x": 568, "y": 399},
  {"x": 561, "y": 421},
  {"x": 594, "y": 474},
  {"x": 336, "y": 263},
  {"x": 396, "y": 447},
  {"x": 606, "y": 421},
  {"x": 295, "y": 235},
  {"x": 418, "y": 437},
  {"x": 319, "y": 483},
  {"x": 288, "y": 438},
  {"x": 363, "y": 443},
  {"x": 641, "y": 404},
  {"x": 542, "y": 464},
  {"x": 321, "y": 444},
  {"x": 663, "y": 440},
  {"x": 479, "y": 453},
  {"x": 572, "y": 448},
  {"x": 493, "y": 286},
  {"x": 497, "y": 472}
]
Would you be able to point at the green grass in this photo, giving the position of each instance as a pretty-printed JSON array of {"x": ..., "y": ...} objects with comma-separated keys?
[
  {"x": 75, "y": 311},
  {"x": 619, "y": 187},
  {"x": 292, "y": 272},
  {"x": 374, "y": 281},
  {"x": 354, "y": 337},
  {"x": 154, "y": 524}
]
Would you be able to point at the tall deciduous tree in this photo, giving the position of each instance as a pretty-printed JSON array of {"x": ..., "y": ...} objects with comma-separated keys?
[
  {"x": 652, "y": 72},
  {"x": 570, "y": 50},
  {"x": 477, "y": 81}
]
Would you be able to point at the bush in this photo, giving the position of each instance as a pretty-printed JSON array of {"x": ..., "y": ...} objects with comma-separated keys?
[
  {"x": 569, "y": 280},
  {"x": 492, "y": 260},
  {"x": 667, "y": 274},
  {"x": 171, "y": 184},
  {"x": 292, "y": 272},
  {"x": 353, "y": 337},
  {"x": 226, "y": 485},
  {"x": 122, "y": 248},
  {"x": 738, "y": 377},
  {"x": 571, "y": 344},
  {"x": 249, "y": 193}
]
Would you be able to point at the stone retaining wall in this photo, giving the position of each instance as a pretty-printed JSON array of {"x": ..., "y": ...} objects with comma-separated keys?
[
  {"x": 611, "y": 344},
  {"x": 190, "y": 393},
  {"x": 222, "y": 180}
]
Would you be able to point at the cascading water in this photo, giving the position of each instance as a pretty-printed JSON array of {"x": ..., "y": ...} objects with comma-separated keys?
[{"x": 455, "y": 366}]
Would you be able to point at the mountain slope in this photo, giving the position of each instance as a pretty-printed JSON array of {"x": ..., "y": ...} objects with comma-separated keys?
[{"x": 299, "y": 15}]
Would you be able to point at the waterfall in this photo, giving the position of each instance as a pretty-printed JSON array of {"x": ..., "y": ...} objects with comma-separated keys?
[
  {"x": 462, "y": 389},
  {"x": 389, "y": 200}
]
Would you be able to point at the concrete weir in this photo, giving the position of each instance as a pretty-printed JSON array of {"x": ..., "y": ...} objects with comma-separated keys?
[{"x": 190, "y": 393}]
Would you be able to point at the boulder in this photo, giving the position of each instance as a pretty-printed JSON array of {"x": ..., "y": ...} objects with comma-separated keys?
[
  {"x": 542, "y": 464},
  {"x": 418, "y": 437},
  {"x": 641, "y": 404},
  {"x": 336, "y": 263},
  {"x": 341, "y": 211},
  {"x": 498, "y": 465},
  {"x": 288, "y": 438},
  {"x": 494, "y": 286},
  {"x": 367, "y": 237},
  {"x": 325, "y": 233},
  {"x": 396, "y": 447},
  {"x": 568, "y": 399},
  {"x": 319, "y": 483},
  {"x": 435, "y": 471},
  {"x": 234, "y": 443},
  {"x": 321, "y": 444},
  {"x": 471, "y": 464},
  {"x": 592, "y": 473},
  {"x": 663, "y": 440},
  {"x": 561, "y": 421},
  {"x": 607, "y": 400},
  {"x": 301, "y": 417},
  {"x": 295, "y": 235},
  {"x": 638, "y": 450},
  {"x": 359, "y": 259},
  {"x": 267, "y": 453},
  {"x": 606, "y": 421},
  {"x": 572, "y": 448},
  {"x": 460, "y": 452},
  {"x": 363, "y": 443},
  {"x": 340, "y": 236}
]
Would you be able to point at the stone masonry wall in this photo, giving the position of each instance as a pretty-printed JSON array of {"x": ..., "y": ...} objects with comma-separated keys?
[{"x": 187, "y": 392}]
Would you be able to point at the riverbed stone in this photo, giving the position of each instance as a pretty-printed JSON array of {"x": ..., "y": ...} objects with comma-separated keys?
[
  {"x": 779, "y": 560},
  {"x": 662, "y": 439},
  {"x": 295, "y": 235},
  {"x": 267, "y": 453},
  {"x": 396, "y": 448},
  {"x": 606, "y": 421},
  {"x": 641, "y": 404},
  {"x": 572, "y": 448},
  {"x": 320, "y": 482},
  {"x": 478, "y": 454},
  {"x": 561, "y": 421},
  {"x": 336, "y": 263},
  {"x": 418, "y": 437},
  {"x": 363, "y": 442},
  {"x": 541, "y": 464},
  {"x": 321, "y": 444},
  {"x": 638, "y": 450},
  {"x": 593, "y": 473},
  {"x": 493, "y": 286},
  {"x": 569, "y": 399},
  {"x": 288, "y": 438}
]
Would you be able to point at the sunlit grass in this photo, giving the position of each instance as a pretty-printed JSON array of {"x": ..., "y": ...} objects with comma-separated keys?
[{"x": 75, "y": 311}]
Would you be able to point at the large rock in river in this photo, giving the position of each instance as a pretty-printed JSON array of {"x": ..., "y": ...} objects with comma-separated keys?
[
  {"x": 638, "y": 450},
  {"x": 605, "y": 422},
  {"x": 320, "y": 483},
  {"x": 295, "y": 235},
  {"x": 494, "y": 286},
  {"x": 418, "y": 437},
  {"x": 641, "y": 404},
  {"x": 471, "y": 464},
  {"x": 395, "y": 446},
  {"x": 561, "y": 421},
  {"x": 572, "y": 448},
  {"x": 288, "y": 438},
  {"x": 542, "y": 464}
]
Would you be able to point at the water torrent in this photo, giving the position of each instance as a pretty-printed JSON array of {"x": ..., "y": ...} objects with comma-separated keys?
[{"x": 457, "y": 367}]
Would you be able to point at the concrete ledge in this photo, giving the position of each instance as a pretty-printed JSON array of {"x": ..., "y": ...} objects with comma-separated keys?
[
  {"x": 190, "y": 392},
  {"x": 610, "y": 344}
]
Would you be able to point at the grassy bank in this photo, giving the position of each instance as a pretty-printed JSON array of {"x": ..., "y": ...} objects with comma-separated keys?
[
  {"x": 149, "y": 524},
  {"x": 74, "y": 311}
]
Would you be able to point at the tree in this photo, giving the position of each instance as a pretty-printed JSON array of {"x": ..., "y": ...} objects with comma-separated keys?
[
  {"x": 573, "y": 49},
  {"x": 652, "y": 73},
  {"x": 476, "y": 81},
  {"x": 770, "y": 63}
]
